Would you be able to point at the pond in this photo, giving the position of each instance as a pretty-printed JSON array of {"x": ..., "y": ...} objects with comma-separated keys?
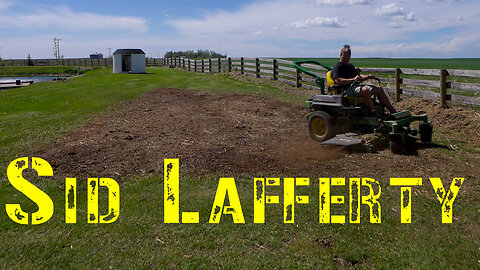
[{"x": 25, "y": 79}]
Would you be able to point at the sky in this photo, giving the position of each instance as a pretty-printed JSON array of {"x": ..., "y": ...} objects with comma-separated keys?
[{"x": 254, "y": 28}]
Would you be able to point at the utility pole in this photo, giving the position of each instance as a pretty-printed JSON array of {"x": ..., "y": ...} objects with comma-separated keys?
[{"x": 56, "y": 51}]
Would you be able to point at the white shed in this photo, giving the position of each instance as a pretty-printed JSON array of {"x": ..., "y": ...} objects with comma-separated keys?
[{"x": 129, "y": 61}]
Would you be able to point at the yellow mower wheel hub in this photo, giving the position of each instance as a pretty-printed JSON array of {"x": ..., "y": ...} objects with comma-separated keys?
[{"x": 319, "y": 127}]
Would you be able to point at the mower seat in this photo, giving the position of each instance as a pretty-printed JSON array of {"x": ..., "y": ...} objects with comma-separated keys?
[{"x": 334, "y": 89}]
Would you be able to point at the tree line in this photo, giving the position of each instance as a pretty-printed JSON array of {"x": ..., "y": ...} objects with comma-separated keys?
[{"x": 194, "y": 55}]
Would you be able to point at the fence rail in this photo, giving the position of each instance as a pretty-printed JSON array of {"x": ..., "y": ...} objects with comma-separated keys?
[
  {"x": 81, "y": 62},
  {"x": 439, "y": 84}
]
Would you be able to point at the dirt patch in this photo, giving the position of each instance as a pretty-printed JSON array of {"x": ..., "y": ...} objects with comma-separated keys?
[
  {"x": 453, "y": 119},
  {"x": 208, "y": 132},
  {"x": 231, "y": 134}
]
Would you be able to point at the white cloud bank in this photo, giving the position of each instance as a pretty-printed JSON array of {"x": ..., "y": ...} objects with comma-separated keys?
[
  {"x": 389, "y": 29},
  {"x": 279, "y": 28},
  {"x": 69, "y": 20}
]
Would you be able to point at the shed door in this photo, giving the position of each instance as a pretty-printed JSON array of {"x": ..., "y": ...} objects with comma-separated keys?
[{"x": 127, "y": 63}]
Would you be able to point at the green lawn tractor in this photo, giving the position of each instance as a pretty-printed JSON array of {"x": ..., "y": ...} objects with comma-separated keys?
[{"x": 340, "y": 112}]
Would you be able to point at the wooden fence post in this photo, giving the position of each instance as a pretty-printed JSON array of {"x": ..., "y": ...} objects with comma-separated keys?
[
  {"x": 189, "y": 65},
  {"x": 195, "y": 65},
  {"x": 275, "y": 67},
  {"x": 443, "y": 87},
  {"x": 398, "y": 81},
  {"x": 219, "y": 65},
  {"x": 257, "y": 67},
  {"x": 242, "y": 70},
  {"x": 229, "y": 65},
  {"x": 298, "y": 79},
  {"x": 209, "y": 65},
  {"x": 203, "y": 65}
]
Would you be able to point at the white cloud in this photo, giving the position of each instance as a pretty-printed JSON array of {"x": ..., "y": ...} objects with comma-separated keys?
[
  {"x": 65, "y": 18},
  {"x": 344, "y": 2},
  {"x": 392, "y": 10},
  {"x": 410, "y": 16},
  {"x": 266, "y": 16},
  {"x": 317, "y": 21}
]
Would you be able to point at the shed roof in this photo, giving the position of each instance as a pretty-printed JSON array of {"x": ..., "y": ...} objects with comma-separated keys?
[{"x": 128, "y": 51}]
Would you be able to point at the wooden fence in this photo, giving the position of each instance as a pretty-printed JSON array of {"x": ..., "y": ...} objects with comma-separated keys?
[
  {"x": 461, "y": 86},
  {"x": 79, "y": 62}
]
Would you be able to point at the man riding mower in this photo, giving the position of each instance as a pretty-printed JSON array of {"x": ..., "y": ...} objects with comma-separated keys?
[{"x": 349, "y": 106}]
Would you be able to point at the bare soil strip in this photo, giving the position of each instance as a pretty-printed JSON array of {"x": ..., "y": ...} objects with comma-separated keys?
[{"x": 231, "y": 134}]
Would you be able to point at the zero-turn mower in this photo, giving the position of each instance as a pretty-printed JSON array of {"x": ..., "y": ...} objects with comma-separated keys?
[{"x": 340, "y": 112}]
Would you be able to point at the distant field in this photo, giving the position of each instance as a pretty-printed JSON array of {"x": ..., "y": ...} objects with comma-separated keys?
[{"x": 471, "y": 63}]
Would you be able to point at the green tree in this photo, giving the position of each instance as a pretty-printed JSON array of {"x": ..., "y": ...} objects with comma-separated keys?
[
  {"x": 30, "y": 61},
  {"x": 199, "y": 54}
]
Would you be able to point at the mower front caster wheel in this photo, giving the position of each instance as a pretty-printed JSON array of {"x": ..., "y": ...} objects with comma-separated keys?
[
  {"x": 426, "y": 131},
  {"x": 397, "y": 144},
  {"x": 320, "y": 126}
]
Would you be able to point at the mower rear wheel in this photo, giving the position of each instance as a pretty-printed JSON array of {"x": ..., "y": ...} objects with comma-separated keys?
[{"x": 320, "y": 126}]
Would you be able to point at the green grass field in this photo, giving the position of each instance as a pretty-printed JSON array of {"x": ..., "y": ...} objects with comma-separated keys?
[
  {"x": 38, "y": 114},
  {"x": 461, "y": 63}
]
